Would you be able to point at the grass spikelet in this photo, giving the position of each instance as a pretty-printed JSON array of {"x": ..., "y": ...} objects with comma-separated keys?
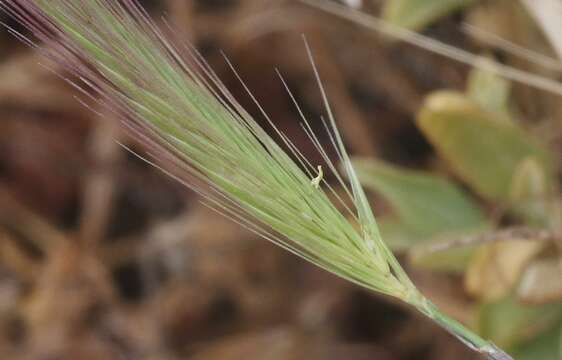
[
  {"x": 167, "y": 97},
  {"x": 170, "y": 99}
]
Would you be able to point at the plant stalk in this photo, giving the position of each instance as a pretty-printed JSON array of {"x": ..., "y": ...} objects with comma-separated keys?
[{"x": 465, "y": 335}]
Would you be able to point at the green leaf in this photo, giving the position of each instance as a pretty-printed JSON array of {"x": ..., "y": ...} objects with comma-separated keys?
[
  {"x": 416, "y": 14},
  {"x": 396, "y": 234},
  {"x": 481, "y": 148},
  {"x": 426, "y": 204},
  {"x": 508, "y": 323},
  {"x": 489, "y": 90},
  {"x": 529, "y": 193}
]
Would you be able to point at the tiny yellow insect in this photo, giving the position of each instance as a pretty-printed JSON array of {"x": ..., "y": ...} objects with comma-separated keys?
[{"x": 316, "y": 181}]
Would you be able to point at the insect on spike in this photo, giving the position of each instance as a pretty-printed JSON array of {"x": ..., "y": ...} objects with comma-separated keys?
[
  {"x": 316, "y": 181},
  {"x": 316, "y": 143}
]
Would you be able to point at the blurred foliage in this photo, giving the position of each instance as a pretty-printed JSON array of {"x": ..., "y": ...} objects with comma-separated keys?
[
  {"x": 530, "y": 193},
  {"x": 416, "y": 14},
  {"x": 508, "y": 323},
  {"x": 515, "y": 277},
  {"x": 544, "y": 347},
  {"x": 489, "y": 91},
  {"x": 495, "y": 268},
  {"x": 481, "y": 148},
  {"x": 540, "y": 282},
  {"x": 423, "y": 204}
]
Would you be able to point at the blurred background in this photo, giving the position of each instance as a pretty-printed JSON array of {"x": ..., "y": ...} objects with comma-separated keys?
[{"x": 104, "y": 257}]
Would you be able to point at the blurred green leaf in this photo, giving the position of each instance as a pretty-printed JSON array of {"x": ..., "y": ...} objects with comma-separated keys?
[
  {"x": 426, "y": 204},
  {"x": 489, "y": 90},
  {"x": 416, "y": 14},
  {"x": 434, "y": 256},
  {"x": 529, "y": 193},
  {"x": 508, "y": 323},
  {"x": 483, "y": 150},
  {"x": 425, "y": 207},
  {"x": 396, "y": 234},
  {"x": 546, "y": 346}
]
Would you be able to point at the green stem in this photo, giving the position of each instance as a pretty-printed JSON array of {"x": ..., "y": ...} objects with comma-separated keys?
[{"x": 461, "y": 332}]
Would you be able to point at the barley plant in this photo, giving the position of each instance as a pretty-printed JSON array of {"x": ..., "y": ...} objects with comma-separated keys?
[{"x": 167, "y": 97}]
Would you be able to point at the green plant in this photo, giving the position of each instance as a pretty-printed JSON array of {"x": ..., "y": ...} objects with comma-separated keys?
[{"x": 200, "y": 134}]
